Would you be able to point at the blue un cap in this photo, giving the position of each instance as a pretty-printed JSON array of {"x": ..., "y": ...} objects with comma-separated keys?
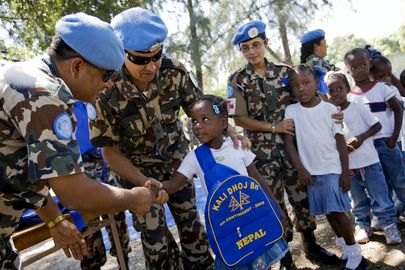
[
  {"x": 312, "y": 35},
  {"x": 248, "y": 31},
  {"x": 93, "y": 39},
  {"x": 140, "y": 29}
]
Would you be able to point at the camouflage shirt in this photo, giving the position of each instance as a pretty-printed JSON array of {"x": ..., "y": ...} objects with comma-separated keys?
[
  {"x": 314, "y": 61},
  {"x": 146, "y": 127},
  {"x": 37, "y": 132},
  {"x": 263, "y": 99}
]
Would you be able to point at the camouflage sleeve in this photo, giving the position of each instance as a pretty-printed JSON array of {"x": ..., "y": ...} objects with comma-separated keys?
[
  {"x": 190, "y": 91},
  {"x": 237, "y": 101},
  {"x": 48, "y": 128},
  {"x": 102, "y": 128}
]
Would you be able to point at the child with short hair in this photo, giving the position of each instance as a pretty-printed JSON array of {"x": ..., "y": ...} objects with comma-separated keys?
[
  {"x": 380, "y": 99},
  {"x": 209, "y": 119},
  {"x": 367, "y": 174},
  {"x": 321, "y": 160},
  {"x": 381, "y": 71}
]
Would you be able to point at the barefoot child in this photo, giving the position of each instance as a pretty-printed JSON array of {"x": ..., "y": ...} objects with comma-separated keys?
[
  {"x": 322, "y": 159},
  {"x": 209, "y": 121},
  {"x": 369, "y": 189}
]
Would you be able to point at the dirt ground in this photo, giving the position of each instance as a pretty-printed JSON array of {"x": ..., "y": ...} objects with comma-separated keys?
[{"x": 379, "y": 255}]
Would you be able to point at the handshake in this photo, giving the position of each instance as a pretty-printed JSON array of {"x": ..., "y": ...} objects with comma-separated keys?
[{"x": 150, "y": 193}]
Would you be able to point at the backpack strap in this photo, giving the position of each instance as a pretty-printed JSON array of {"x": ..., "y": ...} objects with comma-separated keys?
[
  {"x": 214, "y": 172},
  {"x": 205, "y": 158}
]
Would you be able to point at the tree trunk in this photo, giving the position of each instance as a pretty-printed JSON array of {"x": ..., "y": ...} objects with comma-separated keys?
[
  {"x": 195, "y": 43},
  {"x": 282, "y": 29}
]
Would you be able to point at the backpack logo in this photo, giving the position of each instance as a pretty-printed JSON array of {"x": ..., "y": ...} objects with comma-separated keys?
[{"x": 235, "y": 204}]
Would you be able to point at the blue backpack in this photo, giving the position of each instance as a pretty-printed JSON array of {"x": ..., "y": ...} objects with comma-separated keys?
[{"x": 242, "y": 221}]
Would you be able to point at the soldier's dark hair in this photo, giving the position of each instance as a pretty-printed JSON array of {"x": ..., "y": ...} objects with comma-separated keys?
[
  {"x": 307, "y": 49},
  {"x": 353, "y": 52},
  {"x": 378, "y": 60},
  {"x": 60, "y": 49},
  {"x": 214, "y": 102},
  {"x": 341, "y": 77},
  {"x": 300, "y": 69}
]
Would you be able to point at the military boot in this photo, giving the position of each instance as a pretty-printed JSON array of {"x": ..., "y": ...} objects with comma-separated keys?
[{"x": 315, "y": 252}]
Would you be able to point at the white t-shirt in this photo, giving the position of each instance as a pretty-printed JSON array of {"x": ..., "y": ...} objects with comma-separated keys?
[
  {"x": 315, "y": 131},
  {"x": 376, "y": 100},
  {"x": 391, "y": 112},
  {"x": 357, "y": 120},
  {"x": 237, "y": 159}
]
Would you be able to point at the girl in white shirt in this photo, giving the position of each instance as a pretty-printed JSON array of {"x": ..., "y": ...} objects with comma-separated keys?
[
  {"x": 209, "y": 119},
  {"x": 321, "y": 159}
]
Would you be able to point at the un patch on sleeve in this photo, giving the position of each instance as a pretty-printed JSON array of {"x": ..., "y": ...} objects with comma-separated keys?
[
  {"x": 62, "y": 126},
  {"x": 91, "y": 111}
]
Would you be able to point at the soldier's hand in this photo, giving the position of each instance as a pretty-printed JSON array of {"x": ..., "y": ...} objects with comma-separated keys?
[
  {"x": 67, "y": 236},
  {"x": 143, "y": 199},
  {"x": 160, "y": 195},
  {"x": 285, "y": 126}
]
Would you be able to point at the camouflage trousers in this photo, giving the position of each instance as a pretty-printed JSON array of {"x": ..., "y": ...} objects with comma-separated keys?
[
  {"x": 97, "y": 254},
  {"x": 159, "y": 246},
  {"x": 9, "y": 218},
  {"x": 282, "y": 180},
  {"x": 95, "y": 168}
]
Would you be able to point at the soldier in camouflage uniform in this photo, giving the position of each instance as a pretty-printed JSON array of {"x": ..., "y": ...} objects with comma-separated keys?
[
  {"x": 139, "y": 128},
  {"x": 96, "y": 168},
  {"x": 259, "y": 98},
  {"x": 314, "y": 49},
  {"x": 38, "y": 146}
]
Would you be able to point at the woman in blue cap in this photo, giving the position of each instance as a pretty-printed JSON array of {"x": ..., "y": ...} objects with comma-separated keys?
[
  {"x": 259, "y": 98},
  {"x": 314, "y": 50}
]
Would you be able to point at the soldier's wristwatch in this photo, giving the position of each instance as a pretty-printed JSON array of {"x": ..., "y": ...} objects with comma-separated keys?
[{"x": 273, "y": 127}]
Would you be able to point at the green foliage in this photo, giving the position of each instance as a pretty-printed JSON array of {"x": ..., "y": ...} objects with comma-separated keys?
[
  {"x": 31, "y": 24},
  {"x": 340, "y": 45}
]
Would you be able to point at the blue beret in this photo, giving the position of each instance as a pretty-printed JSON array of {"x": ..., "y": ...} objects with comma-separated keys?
[
  {"x": 312, "y": 35},
  {"x": 140, "y": 29},
  {"x": 93, "y": 39},
  {"x": 248, "y": 31}
]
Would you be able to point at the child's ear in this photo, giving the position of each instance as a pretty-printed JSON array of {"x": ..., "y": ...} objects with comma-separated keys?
[{"x": 224, "y": 122}]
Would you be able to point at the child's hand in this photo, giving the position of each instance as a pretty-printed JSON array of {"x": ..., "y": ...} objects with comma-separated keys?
[
  {"x": 338, "y": 116},
  {"x": 392, "y": 142},
  {"x": 345, "y": 182},
  {"x": 304, "y": 178},
  {"x": 162, "y": 197},
  {"x": 353, "y": 143}
]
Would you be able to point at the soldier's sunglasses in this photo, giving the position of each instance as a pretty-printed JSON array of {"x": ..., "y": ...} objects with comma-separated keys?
[{"x": 141, "y": 60}]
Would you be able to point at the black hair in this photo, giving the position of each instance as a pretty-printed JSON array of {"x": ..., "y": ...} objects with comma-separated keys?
[
  {"x": 353, "y": 52},
  {"x": 60, "y": 49},
  {"x": 217, "y": 104},
  {"x": 378, "y": 60},
  {"x": 341, "y": 77},
  {"x": 402, "y": 78},
  {"x": 307, "y": 48},
  {"x": 300, "y": 69},
  {"x": 212, "y": 101}
]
